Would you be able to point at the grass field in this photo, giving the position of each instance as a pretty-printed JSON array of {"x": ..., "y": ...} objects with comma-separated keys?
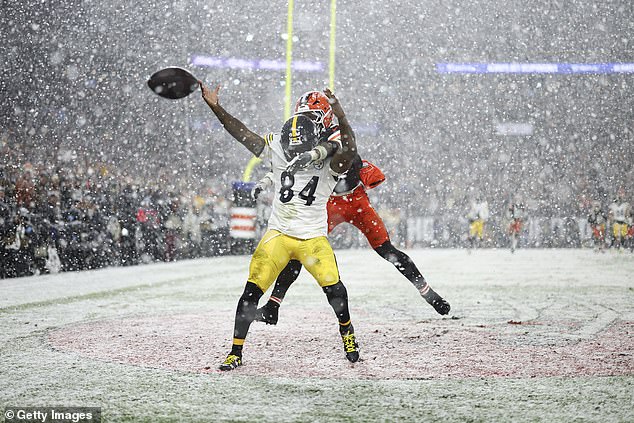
[{"x": 540, "y": 335}]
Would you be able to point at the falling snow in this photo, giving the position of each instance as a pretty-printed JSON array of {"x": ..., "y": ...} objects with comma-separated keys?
[{"x": 115, "y": 207}]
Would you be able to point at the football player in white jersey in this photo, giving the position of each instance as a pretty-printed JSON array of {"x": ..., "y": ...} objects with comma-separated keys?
[
  {"x": 619, "y": 217},
  {"x": 298, "y": 224},
  {"x": 477, "y": 217}
]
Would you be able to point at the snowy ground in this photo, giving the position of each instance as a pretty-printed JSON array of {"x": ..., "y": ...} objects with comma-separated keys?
[{"x": 541, "y": 335}]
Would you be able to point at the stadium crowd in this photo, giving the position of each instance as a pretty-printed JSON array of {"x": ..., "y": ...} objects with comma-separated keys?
[{"x": 75, "y": 216}]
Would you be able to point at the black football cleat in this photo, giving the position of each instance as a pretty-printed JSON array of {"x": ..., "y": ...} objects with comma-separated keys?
[
  {"x": 267, "y": 313},
  {"x": 441, "y": 306},
  {"x": 231, "y": 362},
  {"x": 437, "y": 302},
  {"x": 350, "y": 346}
]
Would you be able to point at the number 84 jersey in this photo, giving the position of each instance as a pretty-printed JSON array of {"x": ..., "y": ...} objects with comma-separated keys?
[{"x": 299, "y": 204}]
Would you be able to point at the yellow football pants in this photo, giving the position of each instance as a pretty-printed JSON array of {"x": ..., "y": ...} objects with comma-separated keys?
[
  {"x": 476, "y": 228},
  {"x": 275, "y": 250},
  {"x": 619, "y": 230}
]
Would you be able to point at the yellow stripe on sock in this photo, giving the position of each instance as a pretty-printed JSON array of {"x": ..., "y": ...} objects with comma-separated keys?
[
  {"x": 238, "y": 341},
  {"x": 345, "y": 324}
]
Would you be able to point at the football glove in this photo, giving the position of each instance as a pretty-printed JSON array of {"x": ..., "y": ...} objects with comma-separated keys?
[
  {"x": 262, "y": 185},
  {"x": 299, "y": 162},
  {"x": 303, "y": 160}
]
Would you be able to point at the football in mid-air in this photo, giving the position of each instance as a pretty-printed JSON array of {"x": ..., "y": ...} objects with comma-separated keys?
[{"x": 173, "y": 83}]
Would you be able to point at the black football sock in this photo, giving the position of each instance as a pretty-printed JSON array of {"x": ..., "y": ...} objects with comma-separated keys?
[
  {"x": 287, "y": 276},
  {"x": 338, "y": 299},
  {"x": 236, "y": 349},
  {"x": 403, "y": 264},
  {"x": 245, "y": 313}
]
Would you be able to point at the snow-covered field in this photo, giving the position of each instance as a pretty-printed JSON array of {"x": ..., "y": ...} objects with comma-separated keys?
[{"x": 540, "y": 335}]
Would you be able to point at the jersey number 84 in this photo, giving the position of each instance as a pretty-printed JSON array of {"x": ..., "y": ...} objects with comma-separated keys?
[{"x": 306, "y": 194}]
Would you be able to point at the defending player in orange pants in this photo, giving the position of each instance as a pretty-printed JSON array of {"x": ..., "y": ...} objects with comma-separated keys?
[
  {"x": 349, "y": 203},
  {"x": 515, "y": 213}
]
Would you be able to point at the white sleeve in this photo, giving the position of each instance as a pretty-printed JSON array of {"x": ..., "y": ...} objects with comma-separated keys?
[
  {"x": 267, "y": 180},
  {"x": 267, "y": 152}
]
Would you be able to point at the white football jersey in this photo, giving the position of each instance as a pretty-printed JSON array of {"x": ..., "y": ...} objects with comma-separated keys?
[
  {"x": 299, "y": 205},
  {"x": 479, "y": 210},
  {"x": 515, "y": 211},
  {"x": 619, "y": 211}
]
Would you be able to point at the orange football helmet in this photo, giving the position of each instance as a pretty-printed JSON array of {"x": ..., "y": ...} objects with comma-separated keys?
[{"x": 316, "y": 105}]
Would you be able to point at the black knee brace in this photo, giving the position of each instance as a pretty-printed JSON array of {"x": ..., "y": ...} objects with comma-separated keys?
[
  {"x": 338, "y": 299},
  {"x": 245, "y": 312},
  {"x": 286, "y": 278}
]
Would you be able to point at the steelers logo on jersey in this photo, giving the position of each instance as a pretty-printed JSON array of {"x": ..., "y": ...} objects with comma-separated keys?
[{"x": 319, "y": 164}]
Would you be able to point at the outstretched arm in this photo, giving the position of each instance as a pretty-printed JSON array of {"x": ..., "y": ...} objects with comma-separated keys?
[
  {"x": 345, "y": 155},
  {"x": 252, "y": 141},
  {"x": 324, "y": 149}
]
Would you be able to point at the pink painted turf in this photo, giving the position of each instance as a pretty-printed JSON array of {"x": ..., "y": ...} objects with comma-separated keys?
[{"x": 309, "y": 346}]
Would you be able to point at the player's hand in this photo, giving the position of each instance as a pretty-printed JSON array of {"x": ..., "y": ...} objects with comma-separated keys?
[
  {"x": 210, "y": 97},
  {"x": 258, "y": 188},
  {"x": 299, "y": 162},
  {"x": 337, "y": 110},
  {"x": 256, "y": 191},
  {"x": 262, "y": 185}
]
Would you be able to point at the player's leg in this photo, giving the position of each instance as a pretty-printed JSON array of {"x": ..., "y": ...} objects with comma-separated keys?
[
  {"x": 319, "y": 259},
  {"x": 406, "y": 266},
  {"x": 269, "y": 258},
  {"x": 616, "y": 233},
  {"x": 623, "y": 235},
  {"x": 367, "y": 220},
  {"x": 472, "y": 234},
  {"x": 479, "y": 232},
  {"x": 269, "y": 312},
  {"x": 596, "y": 237},
  {"x": 337, "y": 296},
  {"x": 245, "y": 313},
  {"x": 515, "y": 232}
]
